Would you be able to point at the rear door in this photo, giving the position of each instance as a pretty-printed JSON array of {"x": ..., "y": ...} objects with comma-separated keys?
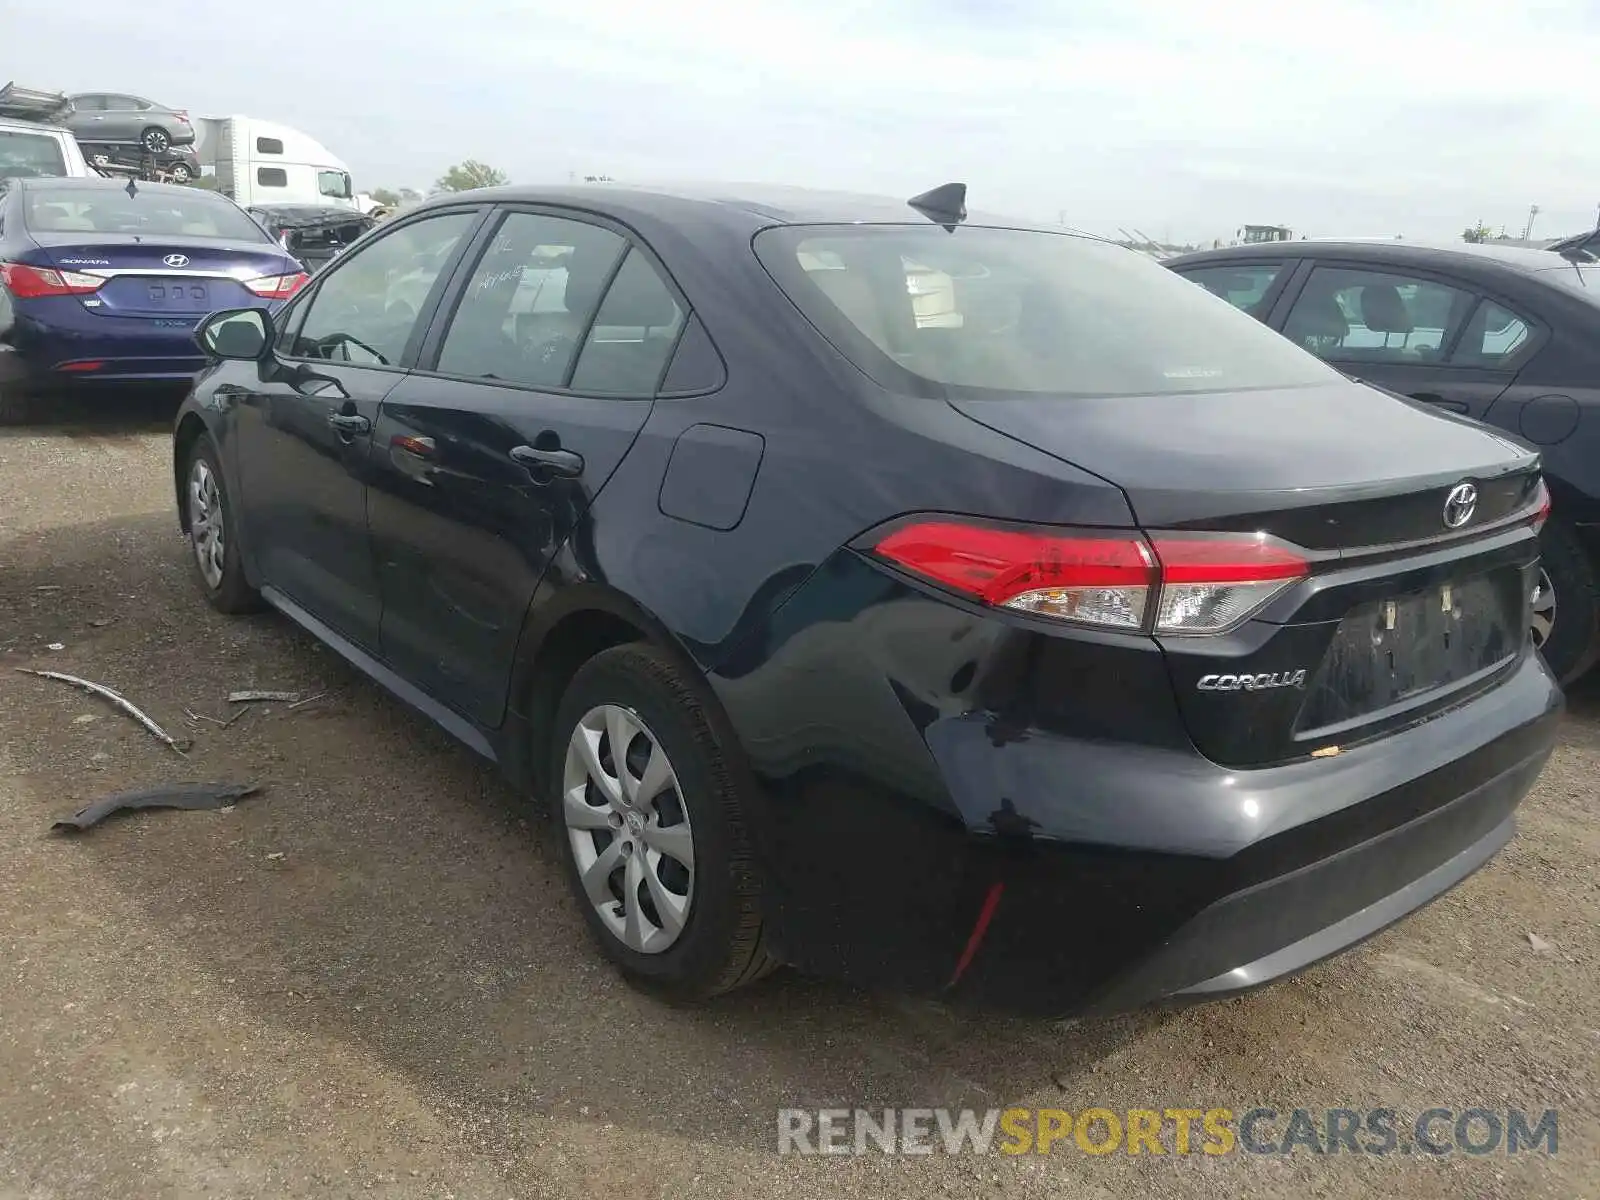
[
  {"x": 303, "y": 432},
  {"x": 1425, "y": 335},
  {"x": 530, "y": 390}
]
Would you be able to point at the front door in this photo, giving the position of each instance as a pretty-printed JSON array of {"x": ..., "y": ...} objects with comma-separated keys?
[
  {"x": 1436, "y": 341},
  {"x": 304, "y": 433},
  {"x": 486, "y": 462}
]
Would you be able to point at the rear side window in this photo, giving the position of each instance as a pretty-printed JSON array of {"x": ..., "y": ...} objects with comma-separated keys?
[
  {"x": 1495, "y": 337},
  {"x": 152, "y": 212},
  {"x": 272, "y": 177},
  {"x": 1352, "y": 315},
  {"x": 30, "y": 155},
  {"x": 1006, "y": 311},
  {"x": 1244, "y": 286},
  {"x": 633, "y": 334}
]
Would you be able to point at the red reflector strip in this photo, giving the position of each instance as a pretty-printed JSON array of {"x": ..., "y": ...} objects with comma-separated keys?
[
  {"x": 81, "y": 366},
  {"x": 980, "y": 927}
]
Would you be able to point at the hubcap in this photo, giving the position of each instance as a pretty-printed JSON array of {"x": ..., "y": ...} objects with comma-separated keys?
[
  {"x": 628, "y": 828},
  {"x": 205, "y": 523},
  {"x": 1544, "y": 610}
]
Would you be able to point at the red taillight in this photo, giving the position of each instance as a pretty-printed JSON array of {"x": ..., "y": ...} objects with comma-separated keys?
[
  {"x": 277, "y": 287},
  {"x": 32, "y": 283},
  {"x": 1173, "y": 583},
  {"x": 1542, "y": 497},
  {"x": 183, "y": 115}
]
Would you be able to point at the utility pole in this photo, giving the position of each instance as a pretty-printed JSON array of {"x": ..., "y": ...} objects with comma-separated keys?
[{"x": 1527, "y": 230}]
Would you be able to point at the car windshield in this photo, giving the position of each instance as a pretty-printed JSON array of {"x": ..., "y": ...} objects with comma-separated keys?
[
  {"x": 30, "y": 155},
  {"x": 985, "y": 310},
  {"x": 147, "y": 212}
]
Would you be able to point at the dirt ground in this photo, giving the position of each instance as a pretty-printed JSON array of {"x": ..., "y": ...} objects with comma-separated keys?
[{"x": 369, "y": 980}]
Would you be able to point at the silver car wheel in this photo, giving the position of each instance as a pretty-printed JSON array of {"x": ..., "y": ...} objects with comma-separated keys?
[
  {"x": 205, "y": 523},
  {"x": 1544, "y": 610},
  {"x": 628, "y": 828}
]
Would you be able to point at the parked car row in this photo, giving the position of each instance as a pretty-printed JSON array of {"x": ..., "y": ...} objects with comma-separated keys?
[
  {"x": 1510, "y": 337},
  {"x": 879, "y": 588}
]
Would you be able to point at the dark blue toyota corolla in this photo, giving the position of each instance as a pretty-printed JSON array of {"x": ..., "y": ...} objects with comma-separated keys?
[
  {"x": 934, "y": 601},
  {"x": 106, "y": 279}
]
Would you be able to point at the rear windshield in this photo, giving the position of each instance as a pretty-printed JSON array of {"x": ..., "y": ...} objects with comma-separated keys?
[
  {"x": 147, "y": 211},
  {"x": 29, "y": 155},
  {"x": 986, "y": 310}
]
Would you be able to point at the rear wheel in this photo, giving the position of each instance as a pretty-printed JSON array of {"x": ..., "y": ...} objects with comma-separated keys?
[
  {"x": 16, "y": 406},
  {"x": 1566, "y": 607},
  {"x": 650, "y": 814},
  {"x": 181, "y": 173},
  {"x": 155, "y": 140},
  {"x": 211, "y": 524}
]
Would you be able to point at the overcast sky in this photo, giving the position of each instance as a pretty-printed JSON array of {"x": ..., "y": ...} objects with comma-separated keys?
[{"x": 1183, "y": 120}]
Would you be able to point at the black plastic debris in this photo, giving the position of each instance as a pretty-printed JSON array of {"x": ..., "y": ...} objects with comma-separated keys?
[{"x": 192, "y": 796}]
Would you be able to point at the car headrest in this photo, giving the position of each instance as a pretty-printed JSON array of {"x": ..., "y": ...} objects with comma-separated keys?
[
  {"x": 1383, "y": 311},
  {"x": 1316, "y": 314}
]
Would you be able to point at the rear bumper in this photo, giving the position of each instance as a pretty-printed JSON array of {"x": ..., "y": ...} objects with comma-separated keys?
[
  {"x": 938, "y": 814},
  {"x": 58, "y": 356},
  {"x": 1340, "y": 856}
]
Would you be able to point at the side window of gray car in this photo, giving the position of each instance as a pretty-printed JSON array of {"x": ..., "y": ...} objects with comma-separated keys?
[
  {"x": 1350, "y": 314},
  {"x": 1243, "y": 285}
]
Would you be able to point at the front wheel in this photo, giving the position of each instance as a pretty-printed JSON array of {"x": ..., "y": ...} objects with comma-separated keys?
[
  {"x": 650, "y": 811},
  {"x": 1566, "y": 606},
  {"x": 155, "y": 140},
  {"x": 211, "y": 525}
]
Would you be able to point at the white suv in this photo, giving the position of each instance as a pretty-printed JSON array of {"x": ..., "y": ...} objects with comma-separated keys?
[{"x": 39, "y": 150}]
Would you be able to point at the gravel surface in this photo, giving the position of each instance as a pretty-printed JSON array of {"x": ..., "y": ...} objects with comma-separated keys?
[{"x": 369, "y": 979}]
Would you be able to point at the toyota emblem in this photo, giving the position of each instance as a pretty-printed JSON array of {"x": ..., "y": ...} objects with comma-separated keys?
[
  {"x": 176, "y": 260},
  {"x": 1460, "y": 504}
]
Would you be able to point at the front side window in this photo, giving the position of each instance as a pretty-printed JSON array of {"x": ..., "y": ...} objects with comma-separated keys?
[
  {"x": 146, "y": 212},
  {"x": 272, "y": 177},
  {"x": 1350, "y": 315},
  {"x": 92, "y": 102},
  {"x": 30, "y": 155},
  {"x": 334, "y": 183},
  {"x": 366, "y": 308},
  {"x": 986, "y": 310},
  {"x": 1243, "y": 285},
  {"x": 528, "y": 305},
  {"x": 266, "y": 145}
]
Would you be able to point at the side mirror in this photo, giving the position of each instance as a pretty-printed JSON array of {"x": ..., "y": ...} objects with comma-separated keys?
[{"x": 237, "y": 333}]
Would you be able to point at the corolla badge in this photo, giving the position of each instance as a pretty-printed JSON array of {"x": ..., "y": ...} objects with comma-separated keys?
[
  {"x": 1251, "y": 683},
  {"x": 176, "y": 260},
  {"x": 1460, "y": 504}
]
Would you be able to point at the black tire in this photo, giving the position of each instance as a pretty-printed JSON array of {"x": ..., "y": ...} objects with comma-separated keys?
[
  {"x": 155, "y": 140},
  {"x": 1573, "y": 642},
  {"x": 16, "y": 406},
  {"x": 721, "y": 946},
  {"x": 181, "y": 173},
  {"x": 231, "y": 593}
]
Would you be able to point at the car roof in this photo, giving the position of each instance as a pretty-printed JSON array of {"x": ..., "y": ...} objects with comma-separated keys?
[
  {"x": 750, "y": 205},
  {"x": 99, "y": 183},
  {"x": 13, "y": 126},
  {"x": 1390, "y": 250}
]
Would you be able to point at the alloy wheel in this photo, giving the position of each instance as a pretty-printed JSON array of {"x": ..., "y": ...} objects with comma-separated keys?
[
  {"x": 1544, "y": 610},
  {"x": 205, "y": 523},
  {"x": 628, "y": 828}
]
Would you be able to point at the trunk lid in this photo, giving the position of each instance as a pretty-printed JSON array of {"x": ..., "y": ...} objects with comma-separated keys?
[
  {"x": 1400, "y": 614},
  {"x": 167, "y": 277}
]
